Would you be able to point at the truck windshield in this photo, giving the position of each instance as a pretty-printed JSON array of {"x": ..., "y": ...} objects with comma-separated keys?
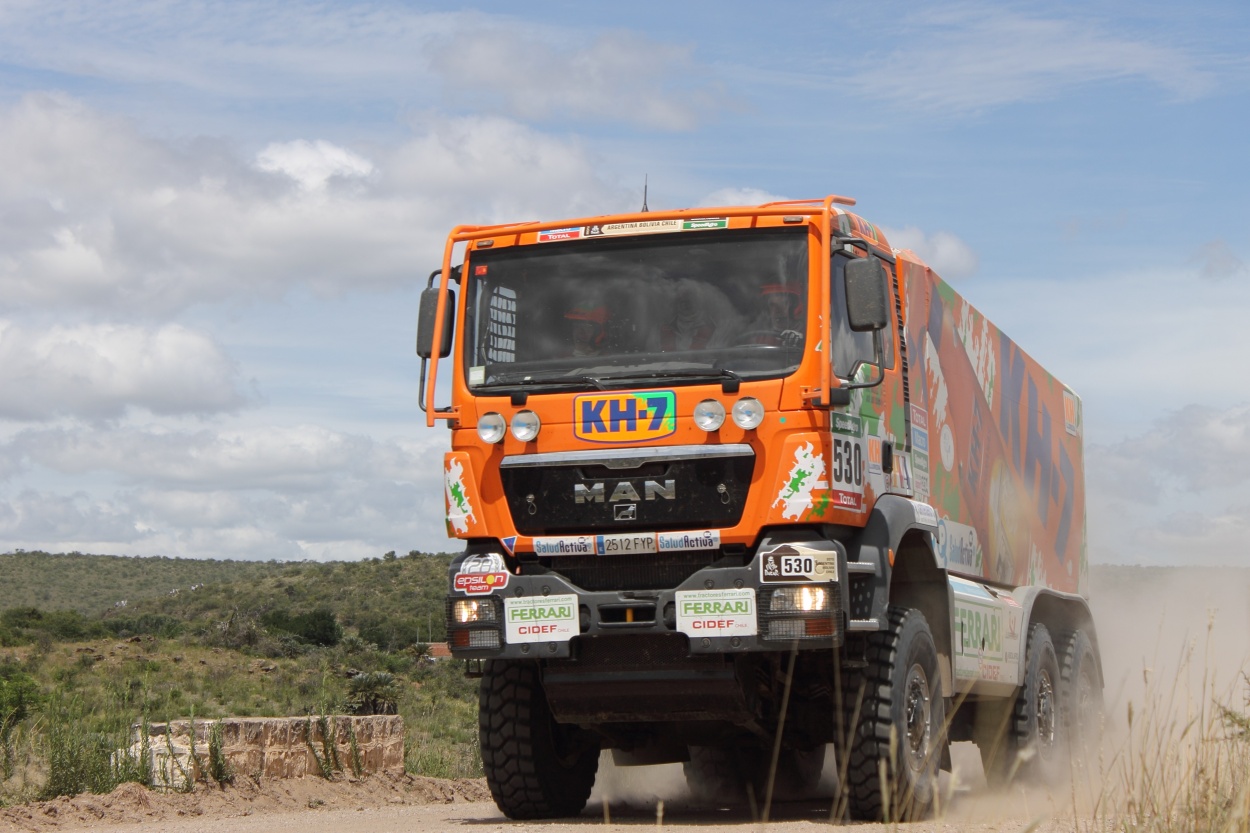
[{"x": 621, "y": 311}]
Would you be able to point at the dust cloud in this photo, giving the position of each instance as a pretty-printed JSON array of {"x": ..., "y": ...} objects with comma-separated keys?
[{"x": 1172, "y": 641}]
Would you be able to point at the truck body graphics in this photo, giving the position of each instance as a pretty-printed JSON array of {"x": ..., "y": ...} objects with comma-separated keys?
[{"x": 680, "y": 458}]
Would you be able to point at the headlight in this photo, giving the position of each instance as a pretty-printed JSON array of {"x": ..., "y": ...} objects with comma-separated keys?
[
  {"x": 525, "y": 426},
  {"x": 709, "y": 415},
  {"x": 468, "y": 611},
  {"x": 800, "y": 598},
  {"x": 491, "y": 428},
  {"x": 748, "y": 413}
]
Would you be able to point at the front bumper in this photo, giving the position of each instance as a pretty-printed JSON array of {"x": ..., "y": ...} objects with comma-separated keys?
[{"x": 719, "y": 609}]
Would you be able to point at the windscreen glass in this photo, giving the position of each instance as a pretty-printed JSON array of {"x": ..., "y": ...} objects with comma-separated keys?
[{"x": 603, "y": 311}]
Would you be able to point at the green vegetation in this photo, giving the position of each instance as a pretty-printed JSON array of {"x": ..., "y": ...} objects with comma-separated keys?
[{"x": 279, "y": 639}]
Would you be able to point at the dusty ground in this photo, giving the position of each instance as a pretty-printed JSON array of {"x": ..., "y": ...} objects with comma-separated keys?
[
  {"x": 241, "y": 804},
  {"x": 385, "y": 804},
  {"x": 1183, "y": 634}
]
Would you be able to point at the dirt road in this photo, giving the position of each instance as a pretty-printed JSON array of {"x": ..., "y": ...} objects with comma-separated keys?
[
  {"x": 1181, "y": 633},
  {"x": 967, "y": 814}
]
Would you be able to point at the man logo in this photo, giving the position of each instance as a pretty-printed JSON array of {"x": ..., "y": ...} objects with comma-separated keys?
[
  {"x": 625, "y": 490},
  {"x": 625, "y": 512}
]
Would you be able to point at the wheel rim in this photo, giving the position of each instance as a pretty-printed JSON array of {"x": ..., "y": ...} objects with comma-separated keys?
[
  {"x": 1046, "y": 712},
  {"x": 918, "y": 709}
]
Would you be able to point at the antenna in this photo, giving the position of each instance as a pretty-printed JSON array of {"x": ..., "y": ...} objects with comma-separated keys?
[{"x": 644, "y": 194}]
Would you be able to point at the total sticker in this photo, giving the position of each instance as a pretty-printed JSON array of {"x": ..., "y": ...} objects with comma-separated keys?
[
  {"x": 716, "y": 612},
  {"x": 540, "y": 618}
]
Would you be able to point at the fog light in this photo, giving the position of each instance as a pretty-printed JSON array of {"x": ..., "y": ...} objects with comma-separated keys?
[
  {"x": 709, "y": 415},
  {"x": 475, "y": 639},
  {"x": 491, "y": 427},
  {"x": 748, "y": 413},
  {"x": 801, "y": 598},
  {"x": 525, "y": 425},
  {"x": 466, "y": 611},
  {"x": 786, "y": 629}
]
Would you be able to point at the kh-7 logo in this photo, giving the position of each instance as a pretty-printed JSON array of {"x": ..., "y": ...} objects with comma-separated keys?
[{"x": 625, "y": 417}]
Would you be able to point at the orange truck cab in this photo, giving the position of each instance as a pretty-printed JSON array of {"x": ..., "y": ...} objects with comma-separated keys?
[{"x": 745, "y": 487}]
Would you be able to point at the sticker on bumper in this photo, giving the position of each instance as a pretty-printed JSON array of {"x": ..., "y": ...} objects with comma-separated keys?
[
  {"x": 627, "y": 542},
  {"x": 481, "y": 574},
  {"x": 716, "y": 612},
  {"x": 795, "y": 563},
  {"x": 540, "y": 618}
]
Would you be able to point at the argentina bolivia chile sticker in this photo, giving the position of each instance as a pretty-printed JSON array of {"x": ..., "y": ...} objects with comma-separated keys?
[
  {"x": 540, "y": 618},
  {"x": 716, "y": 612}
]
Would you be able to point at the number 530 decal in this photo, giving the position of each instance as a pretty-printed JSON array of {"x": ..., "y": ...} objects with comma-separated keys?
[{"x": 848, "y": 462}]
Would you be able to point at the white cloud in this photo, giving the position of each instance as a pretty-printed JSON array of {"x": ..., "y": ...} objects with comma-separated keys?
[
  {"x": 968, "y": 57},
  {"x": 268, "y": 492},
  {"x": 311, "y": 164},
  {"x": 1179, "y": 488},
  {"x": 105, "y": 219},
  {"x": 291, "y": 459},
  {"x": 1195, "y": 449},
  {"x": 370, "y": 53},
  {"x": 738, "y": 196},
  {"x": 1216, "y": 261},
  {"x": 102, "y": 371},
  {"x": 945, "y": 253},
  {"x": 618, "y": 77}
]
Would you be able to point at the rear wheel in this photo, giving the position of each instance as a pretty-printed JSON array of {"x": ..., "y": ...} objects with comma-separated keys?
[
  {"x": 535, "y": 768},
  {"x": 1080, "y": 696},
  {"x": 896, "y": 747},
  {"x": 1031, "y": 747}
]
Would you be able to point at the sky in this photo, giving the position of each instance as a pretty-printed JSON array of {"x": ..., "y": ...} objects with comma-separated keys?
[{"x": 216, "y": 218}]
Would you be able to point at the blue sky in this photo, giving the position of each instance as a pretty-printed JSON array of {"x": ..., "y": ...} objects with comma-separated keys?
[{"x": 216, "y": 218}]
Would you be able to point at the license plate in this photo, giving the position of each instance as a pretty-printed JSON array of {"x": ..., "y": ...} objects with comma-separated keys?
[{"x": 625, "y": 543}]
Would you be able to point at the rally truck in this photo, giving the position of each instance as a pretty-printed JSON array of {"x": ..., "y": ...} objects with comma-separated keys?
[{"x": 747, "y": 488}]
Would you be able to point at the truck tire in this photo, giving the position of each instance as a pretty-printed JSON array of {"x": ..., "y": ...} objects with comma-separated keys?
[
  {"x": 535, "y": 768},
  {"x": 902, "y": 707},
  {"x": 1031, "y": 748},
  {"x": 1080, "y": 696}
]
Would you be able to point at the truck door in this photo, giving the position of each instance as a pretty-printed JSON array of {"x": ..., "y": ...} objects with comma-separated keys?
[{"x": 883, "y": 409}]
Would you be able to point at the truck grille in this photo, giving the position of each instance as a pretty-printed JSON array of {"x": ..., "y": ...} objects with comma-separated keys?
[
  {"x": 581, "y": 496},
  {"x": 650, "y": 571}
]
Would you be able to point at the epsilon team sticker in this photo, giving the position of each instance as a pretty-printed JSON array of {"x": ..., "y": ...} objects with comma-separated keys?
[
  {"x": 540, "y": 618},
  {"x": 716, "y": 612},
  {"x": 481, "y": 574}
]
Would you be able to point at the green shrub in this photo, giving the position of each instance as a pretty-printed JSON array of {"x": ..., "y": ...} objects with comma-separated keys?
[
  {"x": 373, "y": 692},
  {"x": 318, "y": 627}
]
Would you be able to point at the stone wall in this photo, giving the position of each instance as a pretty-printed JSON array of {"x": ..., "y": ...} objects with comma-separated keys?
[{"x": 274, "y": 747}]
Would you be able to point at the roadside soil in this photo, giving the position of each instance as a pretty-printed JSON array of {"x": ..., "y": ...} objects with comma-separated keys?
[
  {"x": 132, "y": 804},
  {"x": 388, "y": 804}
]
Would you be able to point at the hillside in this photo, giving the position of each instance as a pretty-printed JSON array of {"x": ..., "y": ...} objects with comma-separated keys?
[{"x": 91, "y": 584}]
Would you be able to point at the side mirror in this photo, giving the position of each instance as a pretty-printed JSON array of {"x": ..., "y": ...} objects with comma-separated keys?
[
  {"x": 867, "y": 299},
  {"x": 426, "y": 315}
]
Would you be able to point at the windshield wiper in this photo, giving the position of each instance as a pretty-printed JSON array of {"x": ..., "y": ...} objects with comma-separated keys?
[
  {"x": 529, "y": 381},
  {"x": 728, "y": 379}
]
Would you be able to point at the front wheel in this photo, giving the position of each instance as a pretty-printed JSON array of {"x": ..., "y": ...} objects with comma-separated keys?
[
  {"x": 901, "y": 731},
  {"x": 535, "y": 768}
]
